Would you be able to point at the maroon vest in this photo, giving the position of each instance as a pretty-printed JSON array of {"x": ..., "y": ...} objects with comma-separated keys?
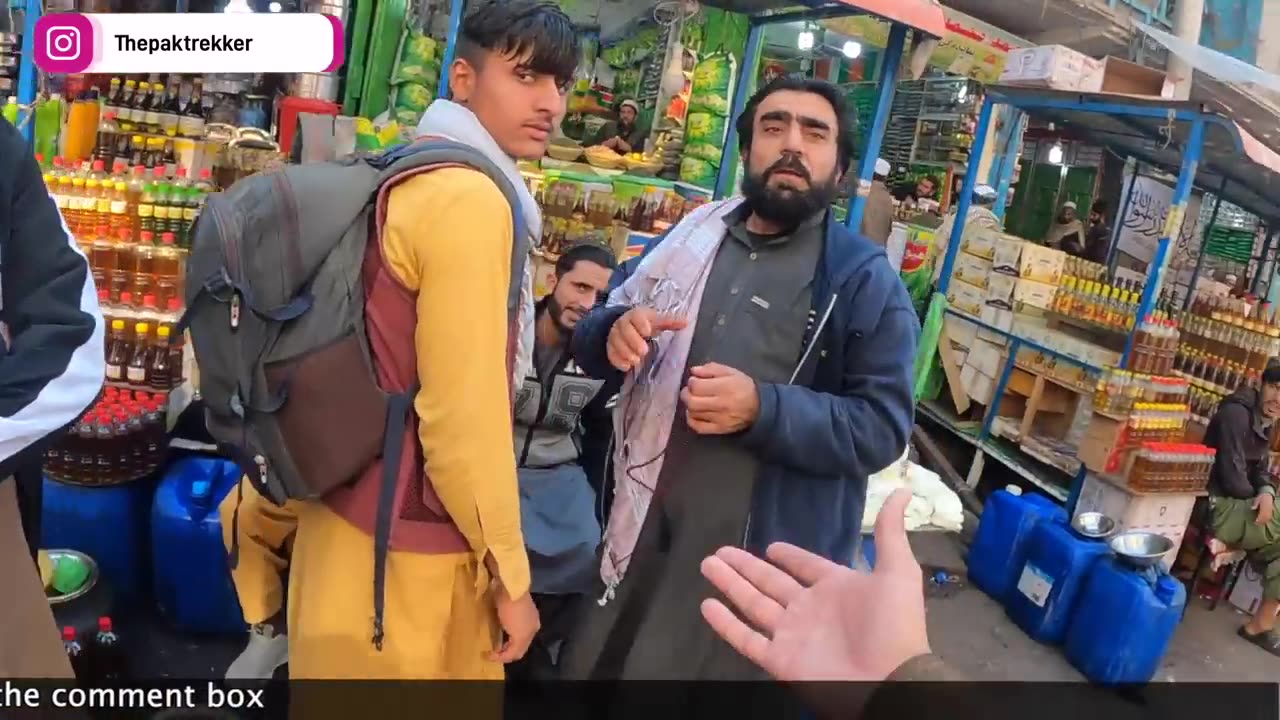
[{"x": 419, "y": 522}]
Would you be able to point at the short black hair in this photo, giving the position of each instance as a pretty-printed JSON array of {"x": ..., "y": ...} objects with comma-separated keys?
[
  {"x": 799, "y": 83},
  {"x": 1099, "y": 207},
  {"x": 533, "y": 29},
  {"x": 585, "y": 252}
]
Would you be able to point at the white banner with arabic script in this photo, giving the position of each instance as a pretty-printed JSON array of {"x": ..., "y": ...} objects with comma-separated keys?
[{"x": 1144, "y": 223}]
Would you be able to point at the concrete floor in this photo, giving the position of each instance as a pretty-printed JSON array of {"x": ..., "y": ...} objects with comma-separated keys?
[{"x": 971, "y": 632}]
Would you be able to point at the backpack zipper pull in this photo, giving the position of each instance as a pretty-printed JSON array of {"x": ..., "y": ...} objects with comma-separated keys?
[
  {"x": 235, "y": 311},
  {"x": 261, "y": 462}
]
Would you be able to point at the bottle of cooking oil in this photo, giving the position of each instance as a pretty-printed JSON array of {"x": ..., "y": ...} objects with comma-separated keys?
[
  {"x": 146, "y": 211},
  {"x": 118, "y": 207},
  {"x": 76, "y": 205}
]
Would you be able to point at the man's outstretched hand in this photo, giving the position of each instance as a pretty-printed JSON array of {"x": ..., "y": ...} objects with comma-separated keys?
[{"x": 815, "y": 620}]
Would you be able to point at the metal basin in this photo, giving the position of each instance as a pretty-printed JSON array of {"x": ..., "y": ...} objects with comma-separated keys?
[
  {"x": 1093, "y": 525},
  {"x": 1140, "y": 549},
  {"x": 89, "y": 582}
]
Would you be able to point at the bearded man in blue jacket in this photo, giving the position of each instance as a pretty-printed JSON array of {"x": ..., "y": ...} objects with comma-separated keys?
[{"x": 766, "y": 352}]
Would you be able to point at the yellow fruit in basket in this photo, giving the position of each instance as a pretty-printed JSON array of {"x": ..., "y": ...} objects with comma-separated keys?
[{"x": 46, "y": 569}]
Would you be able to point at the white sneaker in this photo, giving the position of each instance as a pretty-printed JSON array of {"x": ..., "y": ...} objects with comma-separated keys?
[{"x": 267, "y": 650}]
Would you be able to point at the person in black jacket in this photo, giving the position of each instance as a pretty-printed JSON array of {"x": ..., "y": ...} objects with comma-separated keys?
[
  {"x": 1241, "y": 497},
  {"x": 52, "y": 366}
]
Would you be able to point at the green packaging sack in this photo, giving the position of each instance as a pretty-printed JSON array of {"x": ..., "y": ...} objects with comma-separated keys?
[
  {"x": 712, "y": 84},
  {"x": 413, "y": 96},
  {"x": 698, "y": 172},
  {"x": 419, "y": 59},
  {"x": 705, "y": 151},
  {"x": 407, "y": 118},
  {"x": 705, "y": 128}
]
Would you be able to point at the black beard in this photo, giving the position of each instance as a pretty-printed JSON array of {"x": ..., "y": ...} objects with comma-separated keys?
[
  {"x": 557, "y": 315},
  {"x": 786, "y": 207}
]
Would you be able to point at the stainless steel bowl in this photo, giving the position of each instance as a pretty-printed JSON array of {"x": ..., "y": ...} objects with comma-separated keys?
[
  {"x": 1141, "y": 549},
  {"x": 1093, "y": 525},
  {"x": 89, "y": 582}
]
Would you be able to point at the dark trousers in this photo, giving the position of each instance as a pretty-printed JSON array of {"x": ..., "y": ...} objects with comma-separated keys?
[{"x": 556, "y": 613}]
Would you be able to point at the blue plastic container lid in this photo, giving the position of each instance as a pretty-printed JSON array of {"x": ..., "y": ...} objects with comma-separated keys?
[
  {"x": 201, "y": 489},
  {"x": 1167, "y": 589}
]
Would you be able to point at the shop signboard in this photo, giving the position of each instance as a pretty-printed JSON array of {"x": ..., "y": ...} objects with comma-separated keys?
[
  {"x": 1144, "y": 222},
  {"x": 971, "y": 47}
]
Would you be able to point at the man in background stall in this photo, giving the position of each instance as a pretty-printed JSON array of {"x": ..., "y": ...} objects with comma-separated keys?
[
  {"x": 561, "y": 433},
  {"x": 1242, "y": 499},
  {"x": 768, "y": 353},
  {"x": 877, "y": 215},
  {"x": 52, "y": 366},
  {"x": 1097, "y": 239},
  {"x": 623, "y": 135},
  {"x": 1066, "y": 233},
  {"x": 926, "y": 188}
]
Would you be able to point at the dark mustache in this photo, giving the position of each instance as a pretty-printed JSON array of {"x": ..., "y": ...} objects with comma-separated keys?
[{"x": 788, "y": 163}]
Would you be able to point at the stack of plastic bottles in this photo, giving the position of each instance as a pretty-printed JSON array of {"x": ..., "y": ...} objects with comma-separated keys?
[{"x": 120, "y": 439}]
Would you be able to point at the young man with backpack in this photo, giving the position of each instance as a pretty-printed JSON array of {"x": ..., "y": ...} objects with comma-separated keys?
[{"x": 365, "y": 363}]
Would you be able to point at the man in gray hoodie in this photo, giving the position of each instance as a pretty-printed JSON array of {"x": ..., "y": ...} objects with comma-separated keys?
[{"x": 1241, "y": 497}]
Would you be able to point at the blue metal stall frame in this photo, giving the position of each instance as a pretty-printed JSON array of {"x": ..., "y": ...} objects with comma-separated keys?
[
  {"x": 456, "y": 8},
  {"x": 895, "y": 47},
  {"x": 27, "y": 70},
  {"x": 1121, "y": 108}
]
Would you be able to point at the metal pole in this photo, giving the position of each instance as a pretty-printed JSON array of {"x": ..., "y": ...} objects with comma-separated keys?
[
  {"x": 1004, "y": 178},
  {"x": 1124, "y": 212},
  {"x": 1204, "y": 239},
  {"x": 966, "y": 196},
  {"x": 741, "y": 91},
  {"x": 1077, "y": 484},
  {"x": 879, "y": 121},
  {"x": 27, "y": 72},
  {"x": 1262, "y": 261},
  {"x": 451, "y": 44},
  {"x": 1173, "y": 224}
]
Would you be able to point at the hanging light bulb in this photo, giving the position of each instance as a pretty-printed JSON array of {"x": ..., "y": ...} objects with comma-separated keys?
[
  {"x": 963, "y": 92},
  {"x": 852, "y": 49},
  {"x": 1055, "y": 154},
  {"x": 275, "y": 7},
  {"x": 237, "y": 6},
  {"x": 805, "y": 41}
]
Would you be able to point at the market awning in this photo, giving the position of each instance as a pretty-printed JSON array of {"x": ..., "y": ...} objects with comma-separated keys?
[
  {"x": 1250, "y": 168},
  {"x": 924, "y": 15}
]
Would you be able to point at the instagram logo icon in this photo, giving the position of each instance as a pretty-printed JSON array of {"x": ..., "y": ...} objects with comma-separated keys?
[{"x": 64, "y": 43}]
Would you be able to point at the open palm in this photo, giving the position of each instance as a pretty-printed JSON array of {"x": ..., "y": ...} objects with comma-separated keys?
[{"x": 815, "y": 620}]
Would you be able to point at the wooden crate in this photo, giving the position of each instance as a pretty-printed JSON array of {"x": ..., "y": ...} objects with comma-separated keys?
[{"x": 1164, "y": 513}]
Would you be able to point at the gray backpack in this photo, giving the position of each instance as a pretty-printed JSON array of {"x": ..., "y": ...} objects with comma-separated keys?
[{"x": 275, "y": 310}]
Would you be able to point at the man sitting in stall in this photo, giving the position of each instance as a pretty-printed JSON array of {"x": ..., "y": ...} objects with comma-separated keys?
[
  {"x": 562, "y": 431},
  {"x": 1241, "y": 497},
  {"x": 623, "y": 135},
  {"x": 1067, "y": 233}
]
